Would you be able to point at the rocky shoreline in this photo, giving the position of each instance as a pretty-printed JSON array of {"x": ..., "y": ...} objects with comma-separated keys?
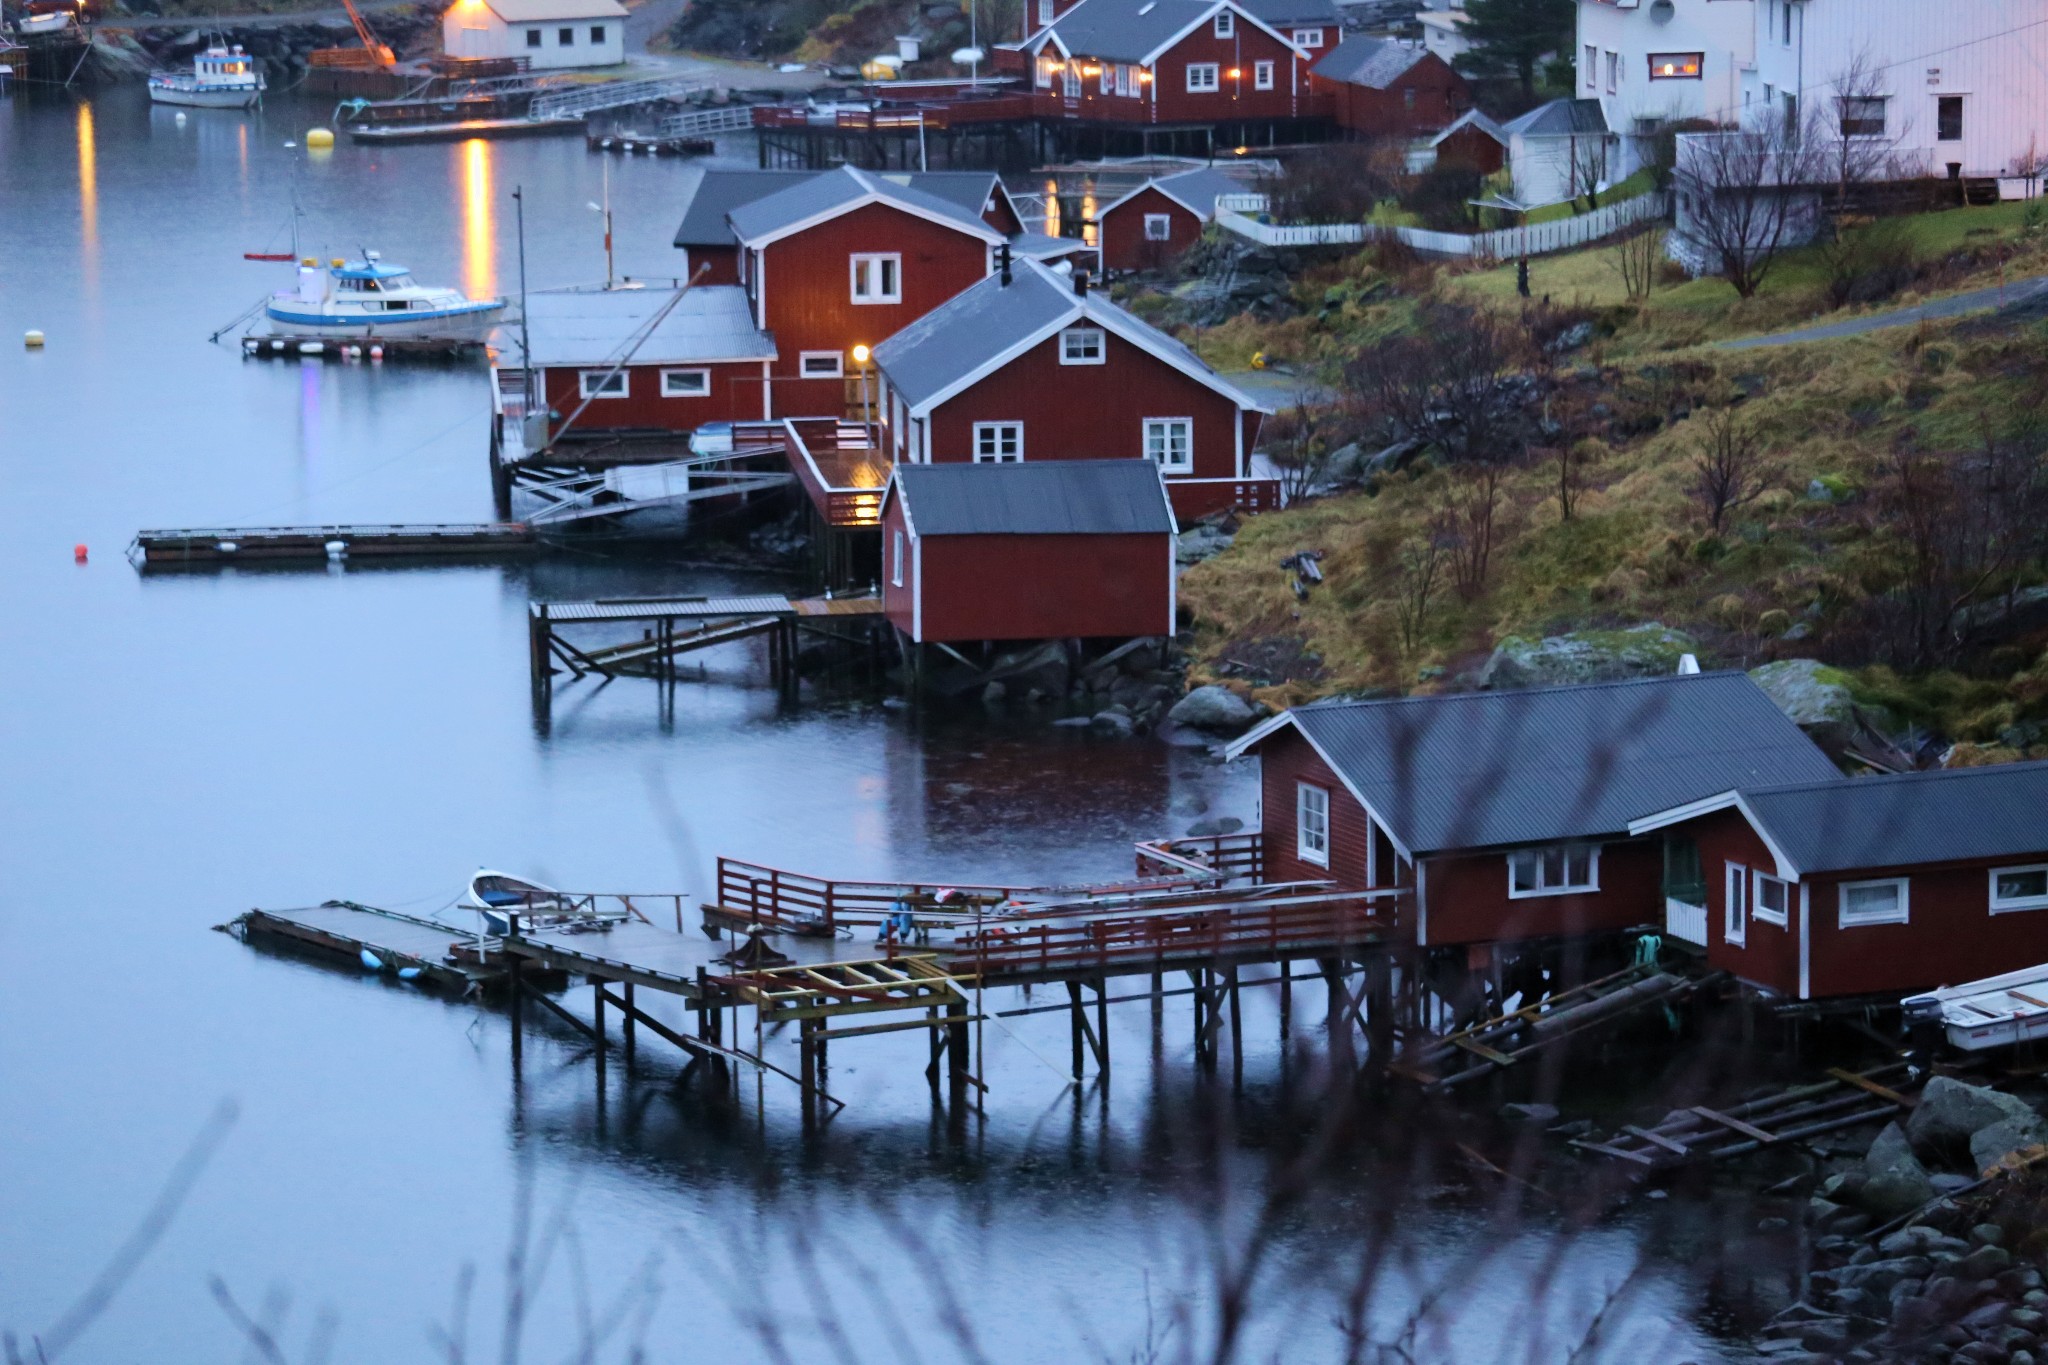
[{"x": 281, "y": 48}]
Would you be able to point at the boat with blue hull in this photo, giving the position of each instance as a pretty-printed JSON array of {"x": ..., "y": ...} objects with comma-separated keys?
[{"x": 372, "y": 298}]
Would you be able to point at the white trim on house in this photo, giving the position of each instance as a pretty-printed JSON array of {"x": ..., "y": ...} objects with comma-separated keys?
[
  {"x": 1707, "y": 805},
  {"x": 1167, "y": 427},
  {"x": 898, "y": 541},
  {"x": 2011, "y": 904},
  {"x": 1243, "y": 14},
  {"x": 1805, "y": 941},
  {"x": 804, "y": 359},
  {"x": 1004, "y": 439},
  {"x": 886, "y": 271},
  {"x": 1318, "y": 851},
  {"x": 1759, "y": 880},
  {"x": 1262, "y": 75},
  {"x": 1091, "y": 338},
  {"x": 1237, "y": 748},
  {"x": 1165, "y": 224},
  {"x": 1212, "y": 73},
  {"x": 1205, "y": 214},
  {"x": 702, "y": 373},
  {"x": 1567, "y": 887},
  {"x": 916, "y": 582},
  {"x": 1902, "y": 914},
  {"x": 960, "y": 225},
  {"x": 612, "y": 382}
]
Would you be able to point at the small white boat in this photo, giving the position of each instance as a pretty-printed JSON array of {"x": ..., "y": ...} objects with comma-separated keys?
[
  {"x": 499, "y": 895},
  {"x": 221, "y": 78},
  {"x": 1993, "y": 1012},
  {"x": 368, "y": 298}
]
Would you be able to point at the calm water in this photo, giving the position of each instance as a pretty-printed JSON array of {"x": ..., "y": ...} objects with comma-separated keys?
[{"x": 179, "y": 749}]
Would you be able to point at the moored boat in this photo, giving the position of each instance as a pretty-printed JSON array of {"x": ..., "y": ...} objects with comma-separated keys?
[
  {"x": 220, "y": 78},
  {"x": 369, "y": 298},
  {"x": 499, "y": 895}
]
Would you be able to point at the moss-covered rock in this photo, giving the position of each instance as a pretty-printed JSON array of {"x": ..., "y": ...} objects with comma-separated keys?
[{"x": 1587, "y": 656}]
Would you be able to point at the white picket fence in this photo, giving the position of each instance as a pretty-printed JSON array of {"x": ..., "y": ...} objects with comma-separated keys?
[{"x": 1538, "y": 239}]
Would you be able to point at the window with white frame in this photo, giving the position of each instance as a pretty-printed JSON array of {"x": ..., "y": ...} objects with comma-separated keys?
[
  {"x": 1262, "y": 73},
  {"x": 1613, "y": 72},
  {"x": 1070, "y": 80},
  {"x": 1771, "y": 899},
  {"x": 2019, "y": 888},
  {"x": 1081, "y": 346},
  {"x": 1226, "y": 23},
  {"x": 1312, "y": 824},
  {"x": 1158, "y": 227},
  {"x": 1592, "y": 61},
  {"x": 1308, "y": 37},
  {"x": 1045, "y": 70},
  {"x": 1045, "y": 11},
  {"x": 686, "y": 383},
  {"x": 1126, "y": 82},
  {"x": 822, "y": 364},
  {"x": 896, "y": 561},
  {"x": 1108, "y": 77},
  {"x": 1170, "y": 443},
  {"x": 1554, "y": 870},
  {"x": 1676, "y": 66},
  {"x": 1735, "y": 905},
  {"x": 1862, "y": 115},
  {"x": 602, "y": 383},
  {"x": 1880, "y": 901},
  {"x": 998, "y": 442},
  {"x": 877, "y": 277},
  {"x": 1202, "y": 78}
]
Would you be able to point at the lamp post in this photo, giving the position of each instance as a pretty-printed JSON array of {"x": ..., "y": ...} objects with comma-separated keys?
[
  {"x": 606, "y": 209},
  {"x": 860, "y": 358}
]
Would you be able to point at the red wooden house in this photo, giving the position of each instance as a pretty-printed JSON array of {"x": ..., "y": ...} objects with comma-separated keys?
[
  {"x": 1050, "y": 550},
  {"x": 835, "y": 263},
  {"x": 1310, "y": 24},
  {"x": 1153, "y": 224},
  {"x": 703, "y": 361},
  {"x": 1170, "y": 62},
  {"x": 1033, "y": 365},
  {"x": 1876, "y": 885},
  {"x": 1507, "y": 814},
  {"x": 1382, "y": 88}
]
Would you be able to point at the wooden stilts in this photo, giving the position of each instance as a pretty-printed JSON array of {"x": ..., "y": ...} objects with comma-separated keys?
[
  {"x": 1076, "y": 1023},
  {"x": 1102, "y": 1023},
  {"x": 1286, "y": 997},
  {"x": 629, "y": 1012},
  {"x": 1340, "y": 1014},
  {"x": 1236, "y": 1029},
  {"x": 956, "y": 1048},
  {"x": 517, "y": 1005},
  {"x": 807, "y": 1069},
  {"x": 597, "y": 1029}
]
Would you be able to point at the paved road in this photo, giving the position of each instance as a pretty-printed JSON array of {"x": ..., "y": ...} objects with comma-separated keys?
[{"x": 2027, "y": 293}]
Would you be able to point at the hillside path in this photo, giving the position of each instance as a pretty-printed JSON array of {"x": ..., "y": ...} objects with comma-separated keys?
[{"x": 2026, "y": 294}]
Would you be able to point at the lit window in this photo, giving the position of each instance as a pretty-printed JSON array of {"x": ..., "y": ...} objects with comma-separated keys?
[
  {"x": 998, "y": 442},
  {"x": 1226, "y": 24},
  {"x": 1308, "y": 37},
  {"x": 602, "y": 383},
  {"x": 1862, "y": 115},
  {"x": 1874, "y": 902},
  {"x": 2019, "y": 888},
  {"x": 822, "y": 365},
  {"x": 1126, "y": 79},
  {"x": 1262, "y": 72},
  {"x": 565, "y": 37},
  {"x": 1675, "y": 66},
  {"x": 1773, "y": 898},
  {"x": 1081, "y": 346},
  {"x": 686, "y": 383},
  {"x": 896, "y": 562},
  {"x": 878, "y": 278},
  {"x": 1158, "y": 227},
  {"x": 1553, "y": 870},
  {"x": 1170, "y": 443},
  {"x": 1312, "y": 824},
  {"x": 1202, "y": 78}
]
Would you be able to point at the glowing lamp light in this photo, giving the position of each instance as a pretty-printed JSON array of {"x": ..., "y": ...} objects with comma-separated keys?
[
  {"x": 861, "y": 354},
  {"x": 1145, "y": 78},
  {"x": 1236, "y": 74}
]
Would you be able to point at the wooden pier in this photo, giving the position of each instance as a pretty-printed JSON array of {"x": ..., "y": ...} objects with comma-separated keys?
[
  {"x": 461, "y": 130},
  {"x": 212, "y": 547},
  {"x": 292, "y": 346}
]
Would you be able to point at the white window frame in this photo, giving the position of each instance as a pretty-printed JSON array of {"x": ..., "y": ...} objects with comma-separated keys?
[
  {"x": 1158, "y": 227},
  {"x": 1165, "y": 426},
  {"x": 999, "y": 443},
  {"x": 703, "y": 378},
  {"x": 896, "y": 563},
  {"x": 1539, "y": 887},
  {"x": 1735, "y": 904},
  {"x": 587, "y": 382},
  {"x": 2008, "y": 904},
  {"x": 1045, "y": 15},
  {"x": 1071, "y": 354},
  {"x": 1126, "y": 80},
  {"x": 807, "y": 359},
  {"x": 887, "y": 266},
  {"x": 1308, "y": 37},
  {"x": 1312, "y": 823},
  {"x": 1226, "y": 24},
  {"x": 1108, "y": 77},
  {"x": 1262, "y": 73},
  {"x": 1592, "y": 66},
  {"x": 1758, "y": 910},
  {"x": 1211, "y": 75},
  {"x": 1849, "y": 919},
  {"x": 1613, "y": 72},
  {"x": 1070, "y": 79}
]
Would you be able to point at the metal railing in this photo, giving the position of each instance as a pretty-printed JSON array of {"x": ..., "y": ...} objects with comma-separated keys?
[
  {"x": 1223, "y": 856},
  {"x": 584, "y": 99},
  {"x": 732, "y": 118}
]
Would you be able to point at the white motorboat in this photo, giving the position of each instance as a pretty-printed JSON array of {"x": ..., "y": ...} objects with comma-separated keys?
[
  {"x": 499, "y": 895},
  {"x": 369, "y": 298},
  {"x": 221, "y": 78},
  {"x": 1994, "y": 1012}
]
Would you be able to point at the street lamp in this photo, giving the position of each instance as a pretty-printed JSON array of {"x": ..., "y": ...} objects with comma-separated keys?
[{"x": 860, "y": 358}]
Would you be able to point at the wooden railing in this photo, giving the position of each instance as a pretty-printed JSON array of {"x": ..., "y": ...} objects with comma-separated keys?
[
  {"x": 798, "y": 902},
  {"x": 1193, "y": 498},
  {"x": 1223, "y": 856}
]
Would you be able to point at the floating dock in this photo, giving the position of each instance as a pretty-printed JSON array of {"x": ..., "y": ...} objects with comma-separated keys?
[
  {"x": 290, "y": 346},
  {"x": 211, "y": 547},
  {"x": 463, "y": 129}
]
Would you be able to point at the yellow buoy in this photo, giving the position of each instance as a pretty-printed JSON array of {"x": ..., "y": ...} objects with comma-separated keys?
[
  {"x": 319, "y": 137},
  {"x": 32, "y": 339}
]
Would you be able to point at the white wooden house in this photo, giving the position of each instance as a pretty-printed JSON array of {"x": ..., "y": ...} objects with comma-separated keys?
[
  {"x": 549, "y": 34},
  {"x": 1559, "y": 150},
  {"x": 1654, "y": 62}
]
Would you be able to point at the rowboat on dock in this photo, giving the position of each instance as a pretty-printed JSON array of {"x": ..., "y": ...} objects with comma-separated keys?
[
  {"x": 498, "y": 896},
  {"x": 1993, "y": 1012}
]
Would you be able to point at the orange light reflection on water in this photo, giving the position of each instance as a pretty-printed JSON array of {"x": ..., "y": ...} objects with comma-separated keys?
[
  {"x": 479, "y": 222},
  {"x": 1052, "y": 208},
  {"x": 88, "y": 194}
]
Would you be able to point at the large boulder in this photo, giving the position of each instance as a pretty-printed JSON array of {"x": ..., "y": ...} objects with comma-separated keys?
[
  {"x": 1817, "y": 698},
  {"x": 1587, "y": 656},
  {"x": 1995, "y": 1140},
  {"x": 1896, "y": 1182},
  {"x": 1213, "y": 707},
  {"x": 1951, "y": 1112}
]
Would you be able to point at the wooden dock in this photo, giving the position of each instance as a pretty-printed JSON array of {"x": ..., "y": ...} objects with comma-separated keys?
[
  {"x": 461, "y": 130},
  {"x": 212, "y": 547},
  {"x": 292, "y": 346}
]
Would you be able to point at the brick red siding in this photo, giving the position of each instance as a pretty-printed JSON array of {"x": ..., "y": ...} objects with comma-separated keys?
[
  {"x": 1122, "y": 238},
  {"x": 1770, "y": 955},
  {"x": 1471, "y": 147},
  {"x": 1032, "y": 587},
  {"x": 735, "y": 397},
  {"x": 1167, "y": 99},
  {"x": 1465, "y": 897},
  {"x": 724, "y": 263},
  {"x": 1427, "y": 96}
]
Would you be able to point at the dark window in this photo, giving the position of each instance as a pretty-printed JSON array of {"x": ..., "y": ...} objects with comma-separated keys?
[
  {"x": 1862, "y": 115},
  {"x": 597, "y": 35},
  {"x": 1948, "y": 118},
  {"x": 533, "y": 37},
  {"x": 566, "y": 37},
  {"x": 1683, "y": 879}
]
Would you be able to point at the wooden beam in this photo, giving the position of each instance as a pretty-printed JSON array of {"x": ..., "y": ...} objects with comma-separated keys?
[
  {"x": 861, "y": 1029},
  {"x": 1884, "y": 1092},
  {"x": 1748, "y": 1130},
  {"x": 1658, "y": 1139}
]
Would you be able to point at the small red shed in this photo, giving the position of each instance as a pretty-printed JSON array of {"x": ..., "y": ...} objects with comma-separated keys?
[
  {"x": 1867, "y": 886},
  {"x": 1385, "y": 88},
  {"x": 1032, "y": 364},
  {"x": 1153, "y": 224},
  {"x": 1507, "y": 813},
  {"x": 1051, "y": 550},
  {"x": 1473, "y": 140}
]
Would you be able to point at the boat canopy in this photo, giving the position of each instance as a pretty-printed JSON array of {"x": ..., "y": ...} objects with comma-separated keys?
[{"x": 370, "y": 270}]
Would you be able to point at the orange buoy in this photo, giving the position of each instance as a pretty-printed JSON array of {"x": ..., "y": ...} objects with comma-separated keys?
[{"x": 78, "y": 554}]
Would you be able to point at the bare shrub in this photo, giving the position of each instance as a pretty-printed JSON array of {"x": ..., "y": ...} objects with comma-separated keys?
[
  {"x": 1451, "y": 384},
  {"x": 1729, "y": 468},
  {"x": 1638, "y": 258},
  {"x": 1338, "y": 182},
  {"x": 1749, "y": 195}
]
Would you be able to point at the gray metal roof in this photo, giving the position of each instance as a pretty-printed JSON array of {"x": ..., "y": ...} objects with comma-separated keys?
[
  {"x": 1954, "y": 815},
  {"x": 1483, "y": 769},
  {"x": 593, "y": 326},
  {"x": 969, "y": 190},
  {"x": 1473, "y": 118},
  {"x": 1125, "y": 30},
  {"x": 1279, "y": 12},
  {"x": 1035, "y": 498},
  {"x": 973, "y": 328},
  {"x": 717, "y": 193},
  {"x": 1560, "y": 117},
  {"x": 1199, "y": 189},
  {"x": 820, "y": 195},
  {"x": 1373, "y": 62}
]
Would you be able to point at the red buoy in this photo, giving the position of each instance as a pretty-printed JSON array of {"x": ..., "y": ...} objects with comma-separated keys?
[{"x": 78, "y": 554}]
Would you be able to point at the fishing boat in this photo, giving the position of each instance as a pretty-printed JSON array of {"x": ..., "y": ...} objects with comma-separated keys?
[
  {"x": 500, "y": 895},
  {"x": 221, "y": 78},
  {"x": 369, "y": 298}
]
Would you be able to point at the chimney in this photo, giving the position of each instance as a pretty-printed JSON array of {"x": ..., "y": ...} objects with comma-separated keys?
[
  {"x": 1080, "y": 284},
  {"x": 1003, "y": 262}
]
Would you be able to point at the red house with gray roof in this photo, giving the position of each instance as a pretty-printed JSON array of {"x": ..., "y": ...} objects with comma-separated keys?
[
  {"x": 1508, "y": 814},
  {"x": 1868, "y": 886},
  {"x": 1032, "y": 365},
  {"x": 1151, "y": 226},
  {"x": 1383, "y": 88}
]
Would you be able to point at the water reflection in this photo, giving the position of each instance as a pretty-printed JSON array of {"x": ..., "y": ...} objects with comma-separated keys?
[
  {"x": 479, "y": 222},
  {"x": 88, "y": 198}
]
